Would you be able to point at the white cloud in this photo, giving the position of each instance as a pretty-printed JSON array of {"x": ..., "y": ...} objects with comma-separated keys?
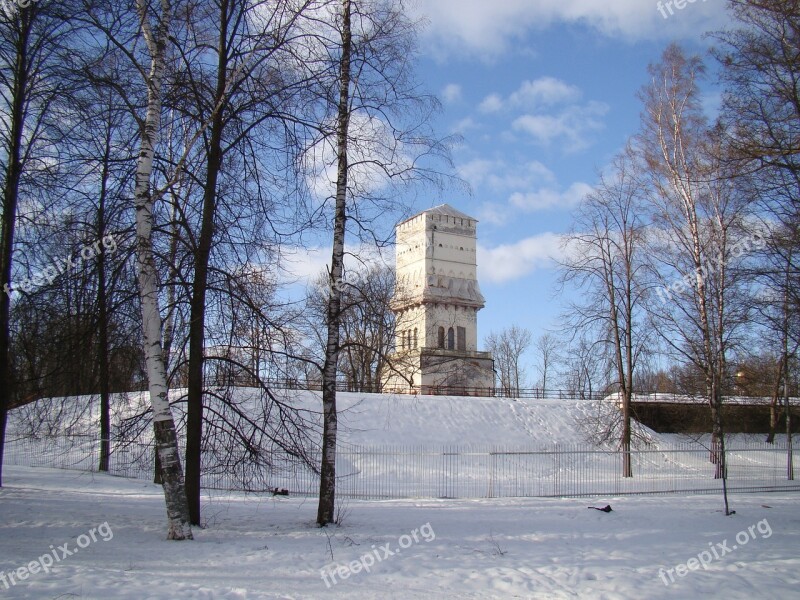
[
  {"x": 528, "y": 187},
  {"x": 537, "y": 93},
  {"x": 546, "y": 198},
  {"x": 493, "y": 214},
  {"x": 488, "y": 29},
  {"x": 549, "y": 111},
  {"x": 573, "y": 126},
  {"x": 492, "y": 103},
  {"x": 514, "y": 261},
  {"x": 451, "y": 93},
  {"x": 372, "y": 152},
  {"x": 304, "y": 264},
  {"x": 544, "y": 91},
  {"x": 464, "y": 125},
  {"x": 499, "y": 176}
]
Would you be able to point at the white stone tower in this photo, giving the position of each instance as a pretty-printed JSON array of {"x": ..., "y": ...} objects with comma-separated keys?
[{"x": 436, "y": 304}]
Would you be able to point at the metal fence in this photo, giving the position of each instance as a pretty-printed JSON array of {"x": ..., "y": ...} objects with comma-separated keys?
[
  {"x": 499, "y": 391},
  {"x": 454, "y": 471}
]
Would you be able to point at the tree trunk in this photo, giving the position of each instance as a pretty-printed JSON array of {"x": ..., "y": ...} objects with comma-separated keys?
[
  {"x": 102, "y": 311},
  {"x": 10, "y": 202},
  {"x": 163, "y": 423},
  {"x": 789, "y": 457},
  {"x": 718, "y": 442},
  {"x": 327, "y": 484},
  {"x": 786, "y": 318},
  {"x": 787, "y": 407},
  {"x": 627, "y": 469},
  {"x": 197, "y": 319},
  {"x": 774, "y": 411}
]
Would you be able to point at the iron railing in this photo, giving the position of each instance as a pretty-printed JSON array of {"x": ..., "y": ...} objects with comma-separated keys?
[{"x": 453, "y": 471}]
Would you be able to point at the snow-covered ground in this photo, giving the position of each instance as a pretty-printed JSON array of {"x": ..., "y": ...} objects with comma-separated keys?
[
  {"x": 364, "y": 419},
  {"x": 396, "y": 446},
  {"x": 257, "y": 546},
  {"x": 369, "y": 419}
]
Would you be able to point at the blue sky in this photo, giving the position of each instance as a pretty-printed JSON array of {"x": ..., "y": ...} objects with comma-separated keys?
[{"x": 544, "y": 94}]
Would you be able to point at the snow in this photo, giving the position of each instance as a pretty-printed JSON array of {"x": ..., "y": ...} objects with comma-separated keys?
[
  {"x": 376, "y": 419},
  {"x": 364, "y": 419},
  {"x": 399, "y": 446},
  {"x": 255, "y": 546},
  {"x": 259, "y": 546}
]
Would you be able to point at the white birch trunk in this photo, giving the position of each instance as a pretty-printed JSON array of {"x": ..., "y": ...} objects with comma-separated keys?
[
  {"x": 327, "y": 486},
  {"x": 163, "y": 423}
]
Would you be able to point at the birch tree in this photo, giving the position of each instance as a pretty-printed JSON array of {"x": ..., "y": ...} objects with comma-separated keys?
[
  {"x": 374, "y": 138},
  {"x": 155, "y": 30},
  {"x": 697, "y": 215},
  {"x": 327, "y": 486}
]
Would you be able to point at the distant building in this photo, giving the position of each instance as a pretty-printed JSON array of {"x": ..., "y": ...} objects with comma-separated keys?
[{"x": 436, "y": 304}]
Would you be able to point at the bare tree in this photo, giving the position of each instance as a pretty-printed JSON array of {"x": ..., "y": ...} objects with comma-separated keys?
[
  {"x": 697, "y": 215},
  {"x": 584, "y": 371},
  {"x": 546, "y": 347},
  {"x": 155, "y": 31},
  {"x": 375, "y": 130},
  {"x": 31, "y": 37},
  {"x": 761, "y": 110},
  {"x": 367, "y": 324},
  {"x": 761, "y": 102},
  {"x": 244, "y": 91},
  {"x": 327, "y": 489},
  {"x": 605, "y": 263},
  {"x": 508, "y": 348}
]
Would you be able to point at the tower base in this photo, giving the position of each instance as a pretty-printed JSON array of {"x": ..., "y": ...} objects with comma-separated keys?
[{"x": 436, "y": 371}]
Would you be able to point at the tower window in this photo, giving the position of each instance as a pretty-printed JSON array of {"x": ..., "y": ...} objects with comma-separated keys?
[
  {"x": 462, "y": 338},
  {"x": 451, "y": 342},
  {"x": 440, "y": 341},
  {"x": 415, "y": 337}
]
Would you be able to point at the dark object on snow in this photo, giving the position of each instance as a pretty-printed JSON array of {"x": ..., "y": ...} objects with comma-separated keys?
[
  {"x": 606, "y": 508},
  {"x": 280, "y": 492}
]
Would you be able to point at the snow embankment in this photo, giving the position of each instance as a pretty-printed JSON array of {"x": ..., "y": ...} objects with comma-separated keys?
[{"x": 364, "y": 419}]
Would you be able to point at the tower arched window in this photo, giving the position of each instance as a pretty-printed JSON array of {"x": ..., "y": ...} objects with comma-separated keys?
[
  {"x": 415, "y": 337},
  {"x": 440, "y": 340},
  {"x": 403, "y": 339},
  {"x": 451, "y": 339}
]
